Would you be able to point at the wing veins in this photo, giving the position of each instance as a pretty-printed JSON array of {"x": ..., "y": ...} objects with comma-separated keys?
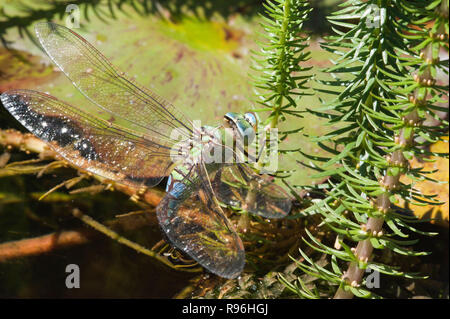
[{"x": 96, "y": 58}]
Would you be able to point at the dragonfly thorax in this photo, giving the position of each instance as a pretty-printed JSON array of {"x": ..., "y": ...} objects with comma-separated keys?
[{"x": 206, "y": 141}]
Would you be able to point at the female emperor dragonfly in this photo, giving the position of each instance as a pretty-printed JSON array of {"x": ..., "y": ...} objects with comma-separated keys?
[{"x": 134, "y": 145}]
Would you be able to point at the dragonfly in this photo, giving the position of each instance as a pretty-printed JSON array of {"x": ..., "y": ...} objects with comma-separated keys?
[{"x": 133, "y": 144}]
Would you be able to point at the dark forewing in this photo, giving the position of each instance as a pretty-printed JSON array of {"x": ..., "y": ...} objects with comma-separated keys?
[
  {"x": 104, "y": 85},
  {"x": 193, "y": 221},
  {"x": 239, "y": 186},
  {"x": 89, "y": 142}
]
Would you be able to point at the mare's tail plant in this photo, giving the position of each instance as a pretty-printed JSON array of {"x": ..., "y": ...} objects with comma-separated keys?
[
  {"x": 384, "y": 82},
  {"x": 278, "y": 72},
  {"x": 279, "y": 76}
]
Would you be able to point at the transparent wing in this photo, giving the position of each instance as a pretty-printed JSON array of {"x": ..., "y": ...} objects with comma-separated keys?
[
  {"x": 239, "y": 186},
  {"x": 108, "y": 88},
  {"x": 88, "y": 142},
  {"x": 194, "y": 222}
]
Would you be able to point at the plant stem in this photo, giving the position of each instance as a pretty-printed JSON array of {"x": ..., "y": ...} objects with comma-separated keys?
[
  {"x": 363, "y": 252},
  {"x": 281, "y": 62}
]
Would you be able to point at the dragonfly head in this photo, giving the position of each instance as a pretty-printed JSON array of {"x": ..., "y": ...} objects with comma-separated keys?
[{"x": 243, "y": 125}]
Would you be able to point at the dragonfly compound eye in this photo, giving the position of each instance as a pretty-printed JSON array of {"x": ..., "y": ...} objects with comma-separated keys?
[{"x": 251, "y": 118}]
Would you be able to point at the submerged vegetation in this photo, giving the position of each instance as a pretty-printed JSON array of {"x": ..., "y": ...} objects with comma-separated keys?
[{"x": 382, "y": 106}]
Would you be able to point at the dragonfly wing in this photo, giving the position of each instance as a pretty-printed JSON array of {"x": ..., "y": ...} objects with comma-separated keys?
[
  {"x": 239, "y": 186},
  {"x": 88, "y": 142},
  {"x": 194, "y": 222},
  {"x": 106, "y": 86}
]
